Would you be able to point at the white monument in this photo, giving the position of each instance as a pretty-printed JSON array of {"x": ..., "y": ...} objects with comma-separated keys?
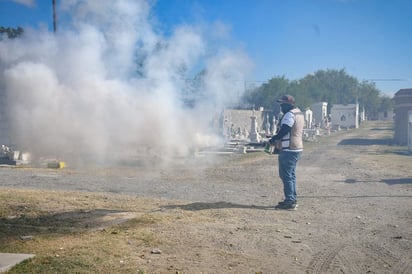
[
  {"x": 320, "y": 113},
  {"x": 254, "y": 135},
  {"x": 308, "y": 118},
  {"x": 345, "y": 115}
]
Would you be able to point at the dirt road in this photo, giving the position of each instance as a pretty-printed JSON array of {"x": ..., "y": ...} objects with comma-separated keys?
[{"x": 354, "y": 214}]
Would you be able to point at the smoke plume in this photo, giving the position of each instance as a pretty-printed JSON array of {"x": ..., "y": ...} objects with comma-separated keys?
[{"x": 107, "y": 84}]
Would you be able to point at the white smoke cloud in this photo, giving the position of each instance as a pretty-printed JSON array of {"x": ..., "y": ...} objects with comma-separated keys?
[{"x": 109, "y": 85}]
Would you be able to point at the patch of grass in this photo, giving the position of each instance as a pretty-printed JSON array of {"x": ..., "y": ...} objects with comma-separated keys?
[{"x": 74, "y": 232}]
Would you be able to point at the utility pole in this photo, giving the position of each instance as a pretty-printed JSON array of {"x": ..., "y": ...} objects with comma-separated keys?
[{"x": 54, "y": 16}]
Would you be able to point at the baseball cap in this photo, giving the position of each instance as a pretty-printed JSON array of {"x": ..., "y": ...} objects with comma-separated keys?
[{"x": 286, "y": 99}]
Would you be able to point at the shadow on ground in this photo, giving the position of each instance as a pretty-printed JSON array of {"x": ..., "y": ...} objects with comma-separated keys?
[
  {"x": 218, "y": 205},
  {"x": 366, "y": 142},
  {"x": 25, "y": 227},
  {"x": 398, "y": 181},
  {"x": 383, "y": 128},
  {"x": 303, "y": 197}
]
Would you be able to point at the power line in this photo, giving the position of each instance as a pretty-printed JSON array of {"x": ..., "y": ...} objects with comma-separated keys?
[{"x": 387, "y": 79}]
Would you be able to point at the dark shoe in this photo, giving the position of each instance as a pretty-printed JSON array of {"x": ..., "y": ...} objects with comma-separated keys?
[
  {"x": 285, "y": 202},
  {"x": 287, "y": 206}
]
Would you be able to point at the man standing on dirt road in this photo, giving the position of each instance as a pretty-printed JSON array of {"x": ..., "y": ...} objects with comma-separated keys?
[{"x": 290, "y": 135}]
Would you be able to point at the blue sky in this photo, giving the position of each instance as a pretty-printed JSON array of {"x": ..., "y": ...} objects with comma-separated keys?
[{"x": 370, "y": 39}]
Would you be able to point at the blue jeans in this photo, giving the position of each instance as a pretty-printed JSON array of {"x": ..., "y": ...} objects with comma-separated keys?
[{"x": 287, "y": 167}]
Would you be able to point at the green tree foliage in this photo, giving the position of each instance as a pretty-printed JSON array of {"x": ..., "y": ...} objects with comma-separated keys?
[
  {"x": 11, "y": 32},
  {"x": 368, "y": 97},
  {"x": 386, "y": 103},
  {"x": 266, "y": 94},
  {"x": 332, "y": 86}
]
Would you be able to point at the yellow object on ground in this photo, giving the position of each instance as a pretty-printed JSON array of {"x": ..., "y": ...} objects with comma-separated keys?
[{"x": 56, "y": 165}]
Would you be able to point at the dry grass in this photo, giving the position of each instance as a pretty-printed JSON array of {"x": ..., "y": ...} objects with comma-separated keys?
[{"x": 71, "y": 232}]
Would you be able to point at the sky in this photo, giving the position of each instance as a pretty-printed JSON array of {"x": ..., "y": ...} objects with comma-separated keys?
[{"x": 370, "y": 39}]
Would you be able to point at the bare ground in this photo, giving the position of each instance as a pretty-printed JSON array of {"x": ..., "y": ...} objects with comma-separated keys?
[{"x": 354, "y": 214}]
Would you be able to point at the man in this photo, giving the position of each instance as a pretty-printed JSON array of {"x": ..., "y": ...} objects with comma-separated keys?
[{"x": 290, "y": 136}]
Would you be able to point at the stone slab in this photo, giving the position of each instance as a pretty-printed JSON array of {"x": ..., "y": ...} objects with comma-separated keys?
[{"x": 8, "y": 260}]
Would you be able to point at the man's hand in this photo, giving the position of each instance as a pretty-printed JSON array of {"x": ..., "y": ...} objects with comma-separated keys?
[{"x": 272, "y": 140}]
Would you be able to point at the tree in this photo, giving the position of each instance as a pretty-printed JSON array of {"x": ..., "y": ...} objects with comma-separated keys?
[
  {"x": 11, "y": 32},
  {"x": 368, "y": 97},
  {"x": 266, "y": 95},
  {"x": 386, "y": 104},
  {"x": 332, "y": 86}
]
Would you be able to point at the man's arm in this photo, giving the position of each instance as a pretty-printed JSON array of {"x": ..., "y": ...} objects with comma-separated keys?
[{"x": 285, "y": 129}]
